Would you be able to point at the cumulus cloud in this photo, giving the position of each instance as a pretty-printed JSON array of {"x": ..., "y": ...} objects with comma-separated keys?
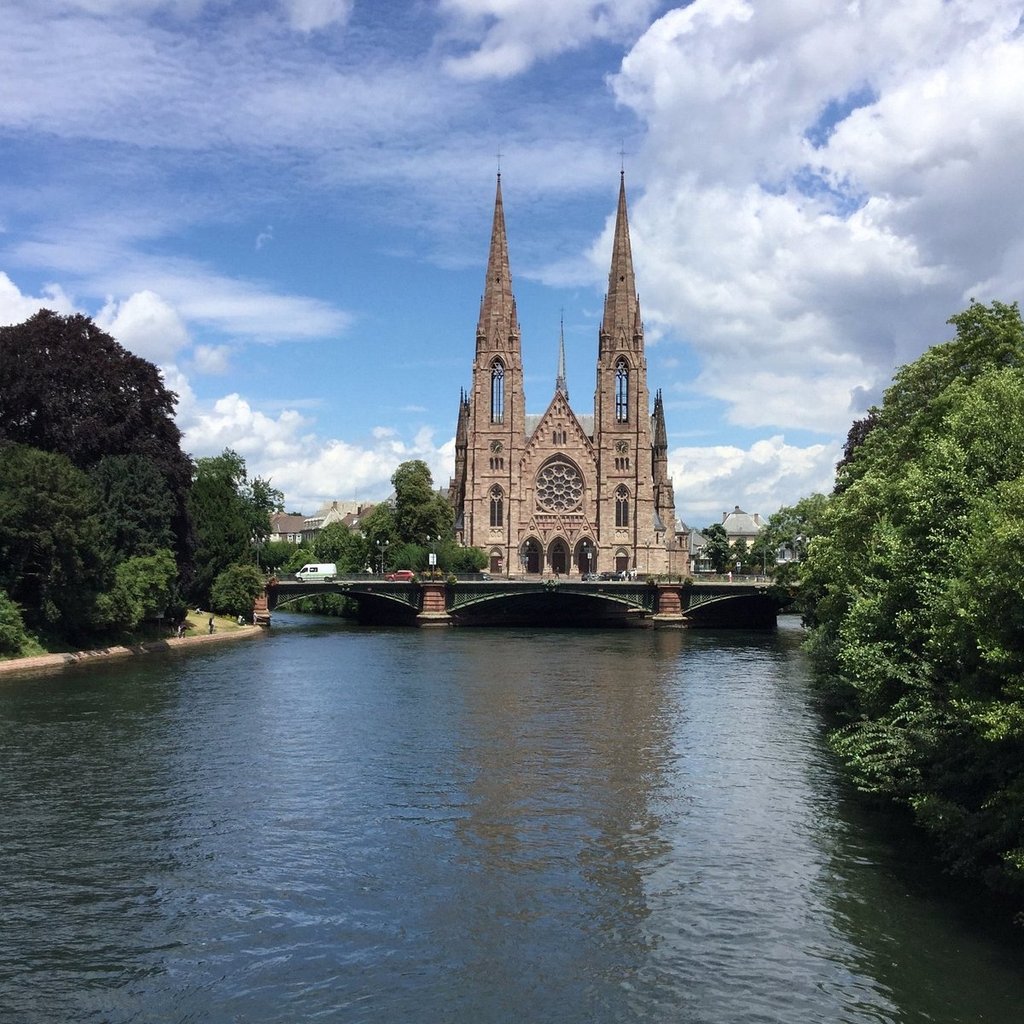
[
  {"x": 762, "y": 478},
  {"x": 823, "y": 186},
  {"x": 16, "y": 307},
  {"x": 145, "y": 324},
  {"x": 212, "y": 359}
]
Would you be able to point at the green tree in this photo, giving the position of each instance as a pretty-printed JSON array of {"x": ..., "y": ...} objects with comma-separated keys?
[
  {"x": 69, "y": 388},
  {"x": 230, "y": 515},
  {"x": 55, "y": 556},
  {"x": 914, "y": 597},
  {"x": 346, "y": 548},
  {"x": 15, "y": 640},
  {"x": 137, "y": 503},
  {"x": 235, "y": 590},
  {"x": 716, "y": 549},
  {"x": 420, "y": 512},
  {"x": 144, "y": 588}
]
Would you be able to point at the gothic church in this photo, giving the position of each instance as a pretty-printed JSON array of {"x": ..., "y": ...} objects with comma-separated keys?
[{"x": 563, "y": 493}]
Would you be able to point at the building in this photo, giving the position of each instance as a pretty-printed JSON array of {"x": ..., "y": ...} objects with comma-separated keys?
[
  {"x": 740, "y": 525},
  {"x": 286, "y": 526},
  {"x": 564, "y": 492}
]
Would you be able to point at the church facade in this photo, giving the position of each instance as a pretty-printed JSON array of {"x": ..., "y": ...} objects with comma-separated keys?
[{"x": 564, "y": 493}]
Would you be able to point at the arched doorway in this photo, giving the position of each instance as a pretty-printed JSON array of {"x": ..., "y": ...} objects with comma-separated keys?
[
  {"x": 496, "y": 562},
  {"x": 585, "y": 557},
  {"x": 622, "y": 560},
  {"x": 558, "y": 557},
  {"x": 529, "y": 554}
]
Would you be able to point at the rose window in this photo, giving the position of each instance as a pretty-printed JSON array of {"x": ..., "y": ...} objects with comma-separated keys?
[{"x": 559, "y": 487}]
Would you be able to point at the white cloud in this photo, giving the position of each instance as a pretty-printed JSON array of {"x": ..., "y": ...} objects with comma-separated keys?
[
  {"x": 146, "y": 325},
  {"x": 16, "y": 307},
  {"x": 313, "y": 15},
  {"x": 762, "y": 478},
  {"x": 507, "y": 36},
  {"x": 824, "y": 185},
  {"x": 211, "y": 359}
]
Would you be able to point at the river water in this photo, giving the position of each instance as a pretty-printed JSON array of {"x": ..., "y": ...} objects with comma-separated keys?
[{"x": 330, "y": 823}]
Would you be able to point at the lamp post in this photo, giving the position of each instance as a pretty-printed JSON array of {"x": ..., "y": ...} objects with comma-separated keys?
[
  {"x": 586, "y": 555},
  {"x": 381, "y": 548},
  {"x": 432, "y": 541}
]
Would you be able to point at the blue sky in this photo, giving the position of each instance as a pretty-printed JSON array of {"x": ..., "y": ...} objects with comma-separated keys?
[{"x": 286, "y": 205}]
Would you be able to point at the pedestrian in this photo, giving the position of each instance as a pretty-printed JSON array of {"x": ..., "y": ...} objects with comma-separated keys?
[{"x": 211, "y": 623}]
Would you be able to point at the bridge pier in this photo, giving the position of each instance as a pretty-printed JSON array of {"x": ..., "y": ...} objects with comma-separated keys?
[
  {"x": 434, "y": 610},
  {"x": 669, "y": 605},
  {"x": 261, "y": 611}
]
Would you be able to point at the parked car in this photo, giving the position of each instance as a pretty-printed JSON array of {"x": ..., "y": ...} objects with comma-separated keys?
[
  {"x": 400, "y": 576},
  {"x": 620, "y": 575},
  {"x": 591, "y": 577}
]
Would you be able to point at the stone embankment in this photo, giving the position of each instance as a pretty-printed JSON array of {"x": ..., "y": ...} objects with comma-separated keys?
[{"x": 52, "y": 662}]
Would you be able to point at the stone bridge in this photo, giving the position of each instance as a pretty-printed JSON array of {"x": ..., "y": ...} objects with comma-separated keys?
[{"x": 747, "y": 602}]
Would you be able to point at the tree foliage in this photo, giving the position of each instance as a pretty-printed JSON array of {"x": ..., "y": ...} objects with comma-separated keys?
[
  {"x": 915, "y": 601},
  {"x": 144, "y": 588},
  {"x": 137, "y": 505},
  {"x": 230, "y": 514},
  {"x": 235, "y": 590},
  {"x": 55, "y": 556},
  {"x": 67, "y": 387},
  {"x": 346, "y": 548},
  {"x": 15, "y": 640}
]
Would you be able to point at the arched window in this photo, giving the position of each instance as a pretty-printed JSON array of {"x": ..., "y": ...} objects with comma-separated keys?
[
  {"x": 497, "y": 391},
  {"x": 621, "y": 506},
  {"x": 497, "y": 506},
  {"x": 622, "y": 391}
]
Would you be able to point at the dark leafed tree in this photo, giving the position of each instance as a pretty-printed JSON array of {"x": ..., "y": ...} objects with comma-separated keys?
[
  {"x": 137, "y": 503},
  {"x": 54, "y": 551},
  {"x": 68, "y": 387}
]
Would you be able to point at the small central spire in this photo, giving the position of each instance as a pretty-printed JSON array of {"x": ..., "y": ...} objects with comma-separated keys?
[{"x": 560, "y": 384}]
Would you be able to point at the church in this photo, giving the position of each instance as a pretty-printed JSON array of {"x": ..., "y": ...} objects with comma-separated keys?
[{"x": 564, "y": 493}]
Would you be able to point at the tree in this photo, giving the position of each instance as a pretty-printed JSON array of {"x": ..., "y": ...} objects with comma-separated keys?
[
  {"x": 138, "y": 505},
  {"x": 229, "y": 515},
  {"x": 915, "y": 603},
  {"x": 67, "y": 387},
  {"x": 15, "y": 640},
  {"x": 716, "y": 550},
  {"x": 144, "y": 588},
  {"x": 420, "y": 512},
  {"x": 55, "y": 555},
  {"x": 235, "y": 590},
  {"x": 337, "y": 543}
]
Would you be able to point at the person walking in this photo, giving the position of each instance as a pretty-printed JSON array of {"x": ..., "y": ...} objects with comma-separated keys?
[{"x": 211, "y": 623}]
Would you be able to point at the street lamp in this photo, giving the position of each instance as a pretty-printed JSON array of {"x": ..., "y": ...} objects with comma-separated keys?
[
  {"x": 586, "y": 555},
  {"x": 432, "y": 541},
  {"x": 381, "y": 547}
]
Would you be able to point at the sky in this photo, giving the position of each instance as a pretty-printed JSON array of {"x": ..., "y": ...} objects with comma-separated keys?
[{"x": 286, "y": 205}]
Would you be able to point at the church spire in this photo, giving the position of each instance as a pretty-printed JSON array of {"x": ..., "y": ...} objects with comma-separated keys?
[
  {"x": 497, "y": 308},
  {"x": 622, "y": 324},
  {"x": 660, "y": 440},
  {"x": 560, "y": 384}
]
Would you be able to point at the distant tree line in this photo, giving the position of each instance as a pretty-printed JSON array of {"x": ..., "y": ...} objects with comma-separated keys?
[{"x": 106, "y": 524}]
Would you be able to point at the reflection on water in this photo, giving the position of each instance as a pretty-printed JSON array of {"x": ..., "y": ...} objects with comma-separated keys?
[{"x": 467, "y": 826}]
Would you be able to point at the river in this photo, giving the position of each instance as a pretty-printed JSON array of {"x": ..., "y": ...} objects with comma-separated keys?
[{"x": 330, "y": 823}]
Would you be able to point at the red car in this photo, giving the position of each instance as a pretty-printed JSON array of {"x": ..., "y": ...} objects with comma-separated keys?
[{"x": 400, "y": 575}]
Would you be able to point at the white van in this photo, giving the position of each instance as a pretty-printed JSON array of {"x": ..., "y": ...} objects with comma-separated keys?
[{"x": 317, "y": 572}]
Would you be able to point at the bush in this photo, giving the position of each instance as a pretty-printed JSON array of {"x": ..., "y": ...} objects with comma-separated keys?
[
  {"x": 14, "y": 639},
  {"x": 235, "y": 590}
]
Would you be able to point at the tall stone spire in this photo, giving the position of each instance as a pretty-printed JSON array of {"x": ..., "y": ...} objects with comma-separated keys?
[
  {"x": 560, "y": 384},
  {"x": 622, "y": 326},
  {"x": 660, "y": 440},
  {"x": 497, "y": 321}
]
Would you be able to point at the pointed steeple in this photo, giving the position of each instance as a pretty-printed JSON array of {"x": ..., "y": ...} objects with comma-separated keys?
[
  {"x": 560, "y": 384},
  {"x": 462, "y": 427},
  {"x": 621, "y": 304},
  {"x": 497, "y": 308},
  {"x": 660, "y": 439}
]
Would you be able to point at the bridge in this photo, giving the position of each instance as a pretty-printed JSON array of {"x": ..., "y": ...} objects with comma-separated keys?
[{"x": 745, "y": 602}]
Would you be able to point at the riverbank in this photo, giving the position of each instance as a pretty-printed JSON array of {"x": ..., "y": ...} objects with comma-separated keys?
[{"x": 197, "y": 632}]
